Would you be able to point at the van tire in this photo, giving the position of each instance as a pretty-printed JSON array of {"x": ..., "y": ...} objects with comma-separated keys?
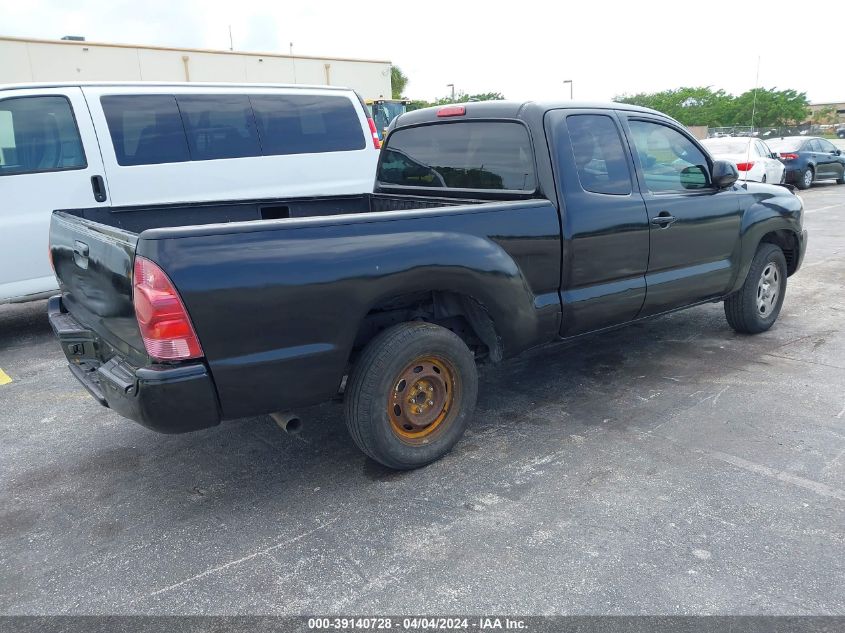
[
  {"x": 749, "y": 310},
  {"x": 402, "y": 421}
]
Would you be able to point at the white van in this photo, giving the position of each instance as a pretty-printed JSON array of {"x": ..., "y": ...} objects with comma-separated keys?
[{"x": 80, "y": 145}]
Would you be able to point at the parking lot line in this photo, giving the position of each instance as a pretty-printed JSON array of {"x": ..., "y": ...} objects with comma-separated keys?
[{"x": 5, "y": 379}]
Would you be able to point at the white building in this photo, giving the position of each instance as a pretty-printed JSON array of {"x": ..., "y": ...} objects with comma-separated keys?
[{"x": 23, "y": 60}]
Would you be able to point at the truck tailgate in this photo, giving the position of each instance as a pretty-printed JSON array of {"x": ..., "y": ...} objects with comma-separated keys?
[{"x": 93, "y": 263}]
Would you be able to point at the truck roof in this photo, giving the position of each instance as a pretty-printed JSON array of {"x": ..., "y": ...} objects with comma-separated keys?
[{"x": 513, "y": 109}]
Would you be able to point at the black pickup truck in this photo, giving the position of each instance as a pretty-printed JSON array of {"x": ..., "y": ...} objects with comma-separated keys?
[{"x": 493, "y": 228}]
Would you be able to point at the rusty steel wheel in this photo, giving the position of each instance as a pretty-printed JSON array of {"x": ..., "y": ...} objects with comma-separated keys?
[
  {"x": 410, "y": 394},
  {"x": 422, "y": 397}
]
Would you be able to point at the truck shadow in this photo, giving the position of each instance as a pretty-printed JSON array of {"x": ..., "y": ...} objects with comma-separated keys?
[
  {"x": 21, "y": 323},
  {"x": 120, "y": 477}
]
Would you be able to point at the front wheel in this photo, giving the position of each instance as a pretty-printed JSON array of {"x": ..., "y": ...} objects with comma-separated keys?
[
  {"x": 410, "y": 395},
  {"x": 755, "y": 307}
]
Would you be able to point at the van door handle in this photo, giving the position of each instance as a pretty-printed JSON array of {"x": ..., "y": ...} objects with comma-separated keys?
[
  {"x": 664, "y": 219},
  {"x": 99, "y": 187}
]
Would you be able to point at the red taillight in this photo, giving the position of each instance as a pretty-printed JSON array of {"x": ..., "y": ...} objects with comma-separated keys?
[
  {"x": 789, "y": 156},
  {"x": 162, "y": 318},
  {"x": 452, "y": 110},
  {"x": 374, "y": 131},
  {"x": 744, "y": 166}
]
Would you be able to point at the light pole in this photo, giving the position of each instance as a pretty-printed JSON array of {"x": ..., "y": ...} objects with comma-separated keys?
[
  {"x": 452, "y": 86},
  {"x": 569, "y": 81}
]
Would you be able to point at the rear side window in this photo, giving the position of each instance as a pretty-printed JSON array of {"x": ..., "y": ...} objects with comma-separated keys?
[
  {"x": 599, "y": 154},
  {"x": 38, "y": 134},
  {"x": 146, "y": 129},
  {"x": 464, "y": 155},
  {"x": 304, "y": 124},
  {"x": 218, "y": 126}
]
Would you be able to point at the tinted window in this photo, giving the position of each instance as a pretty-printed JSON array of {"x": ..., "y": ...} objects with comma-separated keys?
[
  {"x": 826, "y": 146},
  {"x": 599, "y": 154},
  {"x": 669, "y": 160},
  {"x": 145, "y": 129},
  {"x": 465, "y": 155},
  {"x": 38, "y": 134},
  {"x": 812, "y": 146},
  {"x": 219, "y": 126},
  {"x": 303, "y": 124}
]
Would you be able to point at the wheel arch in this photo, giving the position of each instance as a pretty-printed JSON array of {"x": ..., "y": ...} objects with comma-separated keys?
[{"x": 459, "y": 312}]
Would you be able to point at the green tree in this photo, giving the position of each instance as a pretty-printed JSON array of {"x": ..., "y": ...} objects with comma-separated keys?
[
  {"x": 398, "y": 81},
  {"x": 770, "y": 108},
  {"x": 690, "y": 105},
  {"x": 460, "y": 97},
  {"x": 705, "y": 106}
]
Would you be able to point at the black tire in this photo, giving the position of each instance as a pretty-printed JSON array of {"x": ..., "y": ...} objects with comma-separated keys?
[
  {"x": 841, "y": 179},
  {"x": 742, "y": 309},
  {"x": 375, "y": 384},
  {"x": 802, "y": 181}
]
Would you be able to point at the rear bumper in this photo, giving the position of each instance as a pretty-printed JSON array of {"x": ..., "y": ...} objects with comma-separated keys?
[{"x": 167, "y": 399}]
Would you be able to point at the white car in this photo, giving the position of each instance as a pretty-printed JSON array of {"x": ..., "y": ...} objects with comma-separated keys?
[
  {"x": 752, "y": 157},
  {"x": 89, "y": 145}
]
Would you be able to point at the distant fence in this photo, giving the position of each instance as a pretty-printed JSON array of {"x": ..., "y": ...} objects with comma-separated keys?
[{"x": 804, "y": 129}]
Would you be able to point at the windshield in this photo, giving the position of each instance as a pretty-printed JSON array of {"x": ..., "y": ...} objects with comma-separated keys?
[
  {"x": 725, "y": 145},
  {"x": 785, "y": 144},
  {"x": 464, "y": 155}
]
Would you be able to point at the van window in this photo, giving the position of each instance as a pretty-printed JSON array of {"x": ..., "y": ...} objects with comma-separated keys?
[
  {"x": 145, "y": 129},
  {"x": 304, "y": 124},
  {"x": 465, "y": 155},
  {"x": 38, "y": 134},
  {"x": 219, "y": 126},
  {"x": 599, "y": 154}
]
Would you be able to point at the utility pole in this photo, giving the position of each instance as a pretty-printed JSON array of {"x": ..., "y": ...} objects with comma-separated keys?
[
  {"x": 452, "y": 86},
  {"x": 570, "y": 82},
  {"x": 231, "y": 46}
]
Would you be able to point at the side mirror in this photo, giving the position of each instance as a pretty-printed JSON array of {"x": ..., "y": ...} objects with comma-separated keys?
[
  {"x": 838, "y": 152},
  {"x": 724, "y": 174}
]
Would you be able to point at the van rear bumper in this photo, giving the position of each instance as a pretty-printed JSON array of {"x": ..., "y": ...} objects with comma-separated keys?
[{"x": 167, "y": 399}]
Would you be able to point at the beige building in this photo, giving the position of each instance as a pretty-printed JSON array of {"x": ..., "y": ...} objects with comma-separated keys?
[
  {"x": 837, "y": 107},
  {"x": 25, "y": 60}
]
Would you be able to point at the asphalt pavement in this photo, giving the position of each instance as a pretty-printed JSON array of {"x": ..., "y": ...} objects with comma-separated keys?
[{"x": 670, "y": 467}]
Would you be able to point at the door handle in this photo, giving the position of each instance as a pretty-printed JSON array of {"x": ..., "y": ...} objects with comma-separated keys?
[
  {"x": 664, "y": 219},
  {"x": 99, "y": 187}
]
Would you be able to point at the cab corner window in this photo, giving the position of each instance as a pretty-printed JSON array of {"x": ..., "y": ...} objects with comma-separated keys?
[
  {"x": 145, "y": 129},
  {"x": 38, "y": 134},
  {"x": 669, "y": 160},
  {"x": 599, "y": 154}
]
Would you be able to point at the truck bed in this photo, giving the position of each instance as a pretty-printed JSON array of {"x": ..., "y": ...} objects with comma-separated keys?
[{"x": 140, "y": 218}]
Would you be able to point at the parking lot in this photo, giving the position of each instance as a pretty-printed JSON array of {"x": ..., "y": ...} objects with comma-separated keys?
[{"x": 669, "y": 467}]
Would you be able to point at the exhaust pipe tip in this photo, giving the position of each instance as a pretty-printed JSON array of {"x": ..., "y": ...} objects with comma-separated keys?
[{"x": 288, "y": 422}]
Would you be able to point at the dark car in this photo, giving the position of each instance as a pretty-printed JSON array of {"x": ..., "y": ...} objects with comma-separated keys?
[
  {"x": 492, "y": 228},
  {"x": 840, "y": 131},
  {"x": 808, "y": 159}
]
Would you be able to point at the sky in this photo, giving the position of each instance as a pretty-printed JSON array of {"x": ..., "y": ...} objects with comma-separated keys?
[{"x": 524, "y": 50}]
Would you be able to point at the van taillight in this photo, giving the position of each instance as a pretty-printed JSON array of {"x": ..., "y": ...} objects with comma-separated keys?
[
  {"x": 374, "y": 132},
  {"x": 164, "y": 323}
]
